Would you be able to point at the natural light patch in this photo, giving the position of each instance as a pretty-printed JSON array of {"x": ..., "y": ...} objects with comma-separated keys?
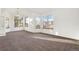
[{"x": 55, "y": 39}]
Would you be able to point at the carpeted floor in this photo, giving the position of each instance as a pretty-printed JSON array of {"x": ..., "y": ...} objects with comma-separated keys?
[{"x": 26, "y": 41}]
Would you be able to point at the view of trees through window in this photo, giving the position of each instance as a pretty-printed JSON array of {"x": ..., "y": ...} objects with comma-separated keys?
[
  {"x": 18, "y": 21},
  {"x": 38, "y": 22},
  {"x": 48, "y": 22}
]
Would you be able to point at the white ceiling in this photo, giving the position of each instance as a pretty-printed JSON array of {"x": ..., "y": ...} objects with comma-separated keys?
[
  {"x": 28, "y": 11},
  {"x": 40, "y": 10}
]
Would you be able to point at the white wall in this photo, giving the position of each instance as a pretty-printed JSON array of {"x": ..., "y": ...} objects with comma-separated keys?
[
  {"x": 67, "y": 22},
  {"x": 2, "y": 27}
]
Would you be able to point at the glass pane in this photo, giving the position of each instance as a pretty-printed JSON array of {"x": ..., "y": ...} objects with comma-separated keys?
[
  {"x": 18, "y": 21},
  {"x": 26, "y": 21},
  {"x": 38, "y": 21},
  {"x": 7, "y": 23},
  {"x": 48, "y": 22}
]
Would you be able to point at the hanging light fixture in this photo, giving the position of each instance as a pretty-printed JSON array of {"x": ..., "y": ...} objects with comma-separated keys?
[{"x": 17, "y": 12}]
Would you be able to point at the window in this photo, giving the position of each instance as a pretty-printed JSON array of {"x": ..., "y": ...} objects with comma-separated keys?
[
  {"x": 47, "y": 22},
  {"x": 38, "y": 22},
  {"x": 26, "y": 21},
  {"x": 18, "y": 21},
  {"x": 7, "y": 23},
  {"x": 29, "y": 22}
]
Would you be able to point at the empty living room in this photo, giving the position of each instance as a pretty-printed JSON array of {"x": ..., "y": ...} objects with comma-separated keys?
[{"x": 39, "y": 29}]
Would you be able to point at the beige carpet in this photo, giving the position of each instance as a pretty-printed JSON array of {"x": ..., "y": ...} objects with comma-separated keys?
[{"x": 26, "y": 41}]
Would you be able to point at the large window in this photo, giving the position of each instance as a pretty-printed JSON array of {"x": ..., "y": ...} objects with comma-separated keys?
[
  {"x": 47, "y": 22},
  {"x": 18, "y": 21},
  {"x": 26, "y": 21},
  {"x": 29, "y": 22},
  {"x": 38, "y": 22}
]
